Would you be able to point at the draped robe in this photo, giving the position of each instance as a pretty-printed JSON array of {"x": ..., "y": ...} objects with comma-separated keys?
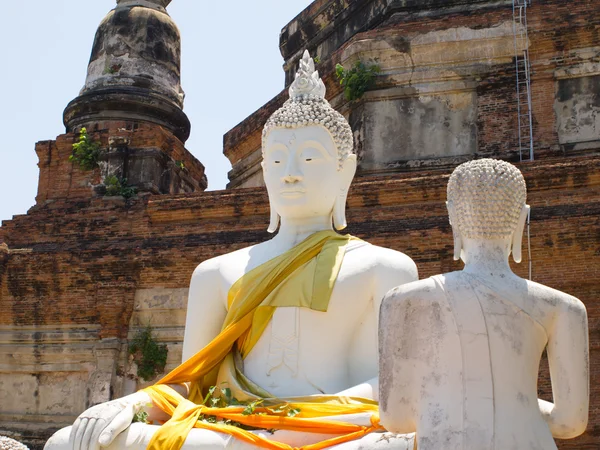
[{"x": 304, "y": 276}]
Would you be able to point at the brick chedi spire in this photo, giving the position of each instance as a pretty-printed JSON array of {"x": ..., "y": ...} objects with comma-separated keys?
[
  {"x": 134, "y": 70},
  {"x": 131, "y": 107}
]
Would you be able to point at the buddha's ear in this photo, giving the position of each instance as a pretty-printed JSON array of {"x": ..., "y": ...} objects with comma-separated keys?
[
  {"x": 517, "y": 239},
  {"x": 455, "y": 231},
  {"x": 346, "y": 174},
  {"x": 274, "y": 219},
  {"x": 273, "y": 222}
]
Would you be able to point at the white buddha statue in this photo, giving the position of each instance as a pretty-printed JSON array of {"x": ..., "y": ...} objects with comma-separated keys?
[
  {"x": 313, "y": 337},
  {"x": 460, "y": 352}
]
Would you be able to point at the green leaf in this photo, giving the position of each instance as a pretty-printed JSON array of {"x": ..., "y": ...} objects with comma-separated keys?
[
  {"x": 140, "y": 416},
  {"x": 227, "y": 393},
  {"x": 356, "y": 81},
  {"x": 251, "y": 407},
  {"x": 85, "y": 151},
  {"x": 149, "y": 356}
]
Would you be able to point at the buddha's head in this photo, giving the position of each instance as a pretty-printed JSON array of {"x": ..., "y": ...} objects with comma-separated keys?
[
  {"x": 486, "y": 202},
  {"x": 308, "y": 160}
]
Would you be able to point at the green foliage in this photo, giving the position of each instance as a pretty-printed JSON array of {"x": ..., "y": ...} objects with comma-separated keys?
[
  {"x": 149, "y": 356},
  {"x": 115, "y": 68},
  {"x": 357, "y": 80},
  {"x": 317, "y": 60},
  {"x": 85, "y": 151},
  {"x": 115, "y": 186},
  {"x": 180, "y": 164},
  {"x": 140, "y": 416},
  {"x": 222, "y": 398}
]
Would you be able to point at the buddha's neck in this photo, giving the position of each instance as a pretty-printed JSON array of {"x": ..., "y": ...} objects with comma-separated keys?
[
  {"x": 294, "y": 230},
  {"x": 487, "y": 258}
]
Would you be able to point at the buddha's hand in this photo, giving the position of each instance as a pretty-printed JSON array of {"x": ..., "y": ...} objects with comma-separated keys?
[{"x": 101, "y": 424}]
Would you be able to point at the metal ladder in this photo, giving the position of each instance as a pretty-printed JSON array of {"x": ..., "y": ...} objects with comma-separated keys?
[{"x": 523, "y": 71}]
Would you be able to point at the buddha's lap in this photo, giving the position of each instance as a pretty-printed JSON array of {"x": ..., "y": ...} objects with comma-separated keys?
[{"x": 137, "y": 437}]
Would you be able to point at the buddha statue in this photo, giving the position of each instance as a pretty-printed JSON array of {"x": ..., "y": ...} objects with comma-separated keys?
[
  {"x": 460, "y": 352},
  {"x": 285, "y": 326}
]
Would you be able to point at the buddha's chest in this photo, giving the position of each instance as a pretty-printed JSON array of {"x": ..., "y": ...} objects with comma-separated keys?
[
  {"x": 302, "y": 348},
  {"x": 352, "y": 294},
  {"x": 304, "y": 352}
]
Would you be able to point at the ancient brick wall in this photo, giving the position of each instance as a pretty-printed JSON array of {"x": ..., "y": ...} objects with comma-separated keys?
[
  {"x": 147, "y": 155},
  {"x": 447, "y": 87}
]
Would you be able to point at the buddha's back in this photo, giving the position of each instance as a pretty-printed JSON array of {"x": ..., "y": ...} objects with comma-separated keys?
[
  {"x": 516, "y": 319},
  {"x": 494, "y": 331}
]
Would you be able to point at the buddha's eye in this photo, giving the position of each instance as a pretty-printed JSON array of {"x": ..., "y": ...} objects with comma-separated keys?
[
  {"x": 311, "y": 154},
  {"x": 277, "y": 156}
]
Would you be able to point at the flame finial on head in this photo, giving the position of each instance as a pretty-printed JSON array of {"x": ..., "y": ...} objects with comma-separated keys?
[{"x": 307, "y": 80}]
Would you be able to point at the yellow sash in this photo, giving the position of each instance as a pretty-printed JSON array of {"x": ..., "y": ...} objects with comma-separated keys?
[{"x": 304, "y": 276}]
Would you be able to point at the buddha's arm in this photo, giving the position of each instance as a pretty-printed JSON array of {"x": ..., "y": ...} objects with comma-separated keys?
[
  {"x": 205, "y": 316},
  {"x": 205, "y": 310},
  {"x": 393, "y": 269},
  {"x": 402, "y": 318},
  {"x": 569, "y": 371},
  {"x": 369, "y": 389}
]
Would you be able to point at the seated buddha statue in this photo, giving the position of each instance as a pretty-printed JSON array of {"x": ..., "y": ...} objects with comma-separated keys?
[
  {"x": 286, "y": 325},
  {"x": 460, "y": 352}
]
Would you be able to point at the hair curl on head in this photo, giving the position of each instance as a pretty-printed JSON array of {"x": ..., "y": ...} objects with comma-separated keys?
[
  {"x": 488, "y": 196},
  {"x": 307, "y": 106}
]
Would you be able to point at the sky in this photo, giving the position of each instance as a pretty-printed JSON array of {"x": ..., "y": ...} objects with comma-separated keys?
[{"x": 231, "y": 66}]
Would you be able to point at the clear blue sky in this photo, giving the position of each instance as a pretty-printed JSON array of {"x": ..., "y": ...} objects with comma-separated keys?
[{"x": 231, "y": 66}]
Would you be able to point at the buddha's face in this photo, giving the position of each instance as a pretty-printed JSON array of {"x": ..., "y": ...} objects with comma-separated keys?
[{"x": 301, "y": 171}]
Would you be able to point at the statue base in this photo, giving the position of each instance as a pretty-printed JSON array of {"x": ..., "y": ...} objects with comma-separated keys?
[{"x": 138, "y": 435}]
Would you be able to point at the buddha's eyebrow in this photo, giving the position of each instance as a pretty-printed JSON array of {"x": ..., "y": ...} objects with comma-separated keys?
[
  {"x": 278, "y": 143},
  {"x": 318, "y": 146}
]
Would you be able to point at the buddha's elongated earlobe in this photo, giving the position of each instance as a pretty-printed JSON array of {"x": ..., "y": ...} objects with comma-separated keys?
[
  {"x": 457, "y": 244},
  {"x": 339, "y": 210},
  {"x": 455, "y": 232},
  {"x": 517, "y": 240},
  {"x": 339, "y": 207},
  {"x": 273, "y": 221}
]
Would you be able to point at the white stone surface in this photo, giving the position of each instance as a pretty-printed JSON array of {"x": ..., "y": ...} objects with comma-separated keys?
[
  {"x": 301, "y": 352},
  {"x": 460, "y": 352}
]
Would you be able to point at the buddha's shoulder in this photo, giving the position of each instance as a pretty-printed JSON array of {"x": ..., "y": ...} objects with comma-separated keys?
[
  {"x": 553, "y": 298},
  {"x": 415, "y": 306},
  {"x": 425, "y": 290},
  {"x": 372, "y": 256},
  {"x": 233, "y": 259}
]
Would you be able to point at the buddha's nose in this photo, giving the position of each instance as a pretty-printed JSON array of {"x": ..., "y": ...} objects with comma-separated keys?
[
  {"x": 292, "y": 178},
  {"x": 292, "y": 173}
]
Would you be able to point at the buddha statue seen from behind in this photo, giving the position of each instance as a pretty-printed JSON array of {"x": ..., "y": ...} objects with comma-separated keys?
[
  {"x": 290, "y": 320},
  {"x": 460, "y": 352}
]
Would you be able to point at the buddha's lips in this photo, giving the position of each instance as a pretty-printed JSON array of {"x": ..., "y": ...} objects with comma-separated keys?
[{"x": 292, "y": 191}]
